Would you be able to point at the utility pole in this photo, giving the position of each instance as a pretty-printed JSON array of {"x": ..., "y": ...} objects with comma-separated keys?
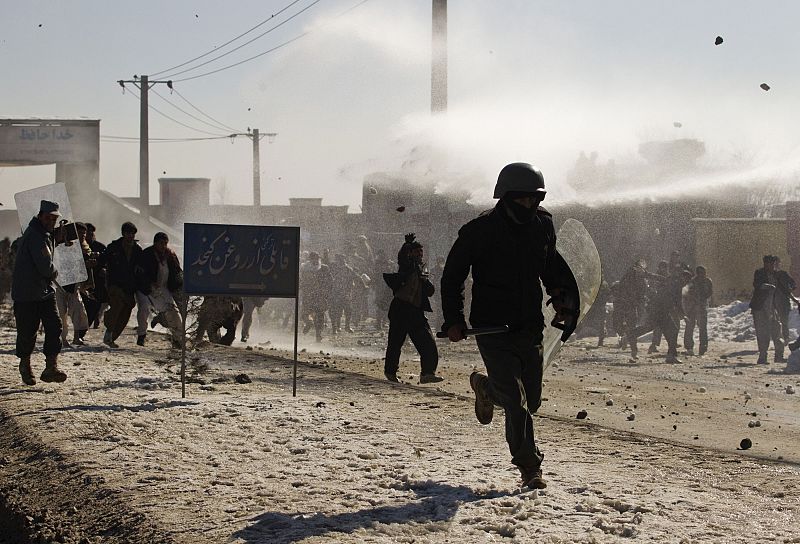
[
  {"x": 256, "y": 136},
  {"x": 256, "y": 170},
  {"x": 143, "y": 84},
  {"x": 439, "y": 57}
]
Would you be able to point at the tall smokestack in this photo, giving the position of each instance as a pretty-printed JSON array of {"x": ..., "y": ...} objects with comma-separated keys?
[{"x": 439, "y": 57}]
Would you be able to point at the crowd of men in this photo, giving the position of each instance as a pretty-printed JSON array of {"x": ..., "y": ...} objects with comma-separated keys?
[
  {"x": 119, "y": 276},
  {"x": 344, "y": 289},
  {"x": 676, "y": 295}
]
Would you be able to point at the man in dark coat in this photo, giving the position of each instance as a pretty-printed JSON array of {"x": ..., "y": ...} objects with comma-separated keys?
[
  {"x": 510, "y": 249},
  {"x": 765, "y": 314},
  {"x": 344, "y": 279},
  {"x": 411, "y": 288},
  {"x": 783, "y": 297},
  {"x": 159, "y": 279},
  {"x": 697, "y": 296},
  {"x": 630, "y": 294},
  {"x": 96, "y": 297},
  {"x": 120, "y": 261},
  {"x": 315, "y": 289},
  {"x": 34, "y": 295}
]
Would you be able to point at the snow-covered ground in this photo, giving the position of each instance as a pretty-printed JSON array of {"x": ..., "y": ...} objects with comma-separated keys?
[{"x": 354, "y": 458}]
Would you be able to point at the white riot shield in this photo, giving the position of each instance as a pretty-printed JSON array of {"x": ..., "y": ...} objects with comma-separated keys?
[
  {"x": 68, "y": 259},
  {"x": 577, "y": 248}
]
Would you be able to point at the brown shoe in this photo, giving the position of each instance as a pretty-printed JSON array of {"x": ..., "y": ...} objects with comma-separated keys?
[
  {"x": 532, "y": 478},
  {"x": 25, "y": 371},
  {"x": 51, "y": 372},
  {"x": 484, "y": 407}
]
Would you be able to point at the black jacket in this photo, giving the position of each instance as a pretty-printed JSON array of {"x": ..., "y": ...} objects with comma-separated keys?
[
  {"x": 399, "y": 279},
  {"x": 507, "y": 261},
  {"x": 34, "y": 272},
  {"x": 120, "y": 271},
  {"x": 784, "y": 285},
  {"x": 147, "y": 271}
]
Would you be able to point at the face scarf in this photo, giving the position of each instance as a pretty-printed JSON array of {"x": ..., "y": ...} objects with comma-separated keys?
[{"x": 519, "y": 213}]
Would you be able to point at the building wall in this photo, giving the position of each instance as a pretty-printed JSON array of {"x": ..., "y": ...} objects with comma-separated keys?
[
  {"x": 793, "y": 238},
  {"x": 732, "y": 249}
]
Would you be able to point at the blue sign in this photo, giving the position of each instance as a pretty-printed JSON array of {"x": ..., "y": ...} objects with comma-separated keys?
[{"x": 241, "y": 260}]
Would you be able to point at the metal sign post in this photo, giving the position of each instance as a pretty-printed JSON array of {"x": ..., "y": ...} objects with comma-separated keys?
[{"x": 244, "y": 260}]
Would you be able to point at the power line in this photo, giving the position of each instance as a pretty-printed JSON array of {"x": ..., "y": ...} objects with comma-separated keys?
[
  {"x": 269, "y": 50},
  {"x": 228, "y": 42},
  {"x": 312, "y": 4},
  {"x": 204, "y": 113},
  {"x": 135, "y": 139},
  {"x": 217, "y": 126},
  {"x": 133, "y": 94}
]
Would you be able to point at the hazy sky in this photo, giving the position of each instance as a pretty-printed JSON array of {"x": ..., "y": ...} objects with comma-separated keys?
[{"x": 529, "y": 80}]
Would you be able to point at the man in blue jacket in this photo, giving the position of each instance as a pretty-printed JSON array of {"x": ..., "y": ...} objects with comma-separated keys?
[{"x": 34, "y": 295}]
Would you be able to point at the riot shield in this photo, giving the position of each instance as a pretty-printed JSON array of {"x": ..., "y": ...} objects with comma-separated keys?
[
  {"x": 575, "y": 245},
  {"x": 68, "y": 259}
]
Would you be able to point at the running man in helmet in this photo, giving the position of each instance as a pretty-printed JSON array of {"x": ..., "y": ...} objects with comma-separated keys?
[{"x": 509, "y": 249}]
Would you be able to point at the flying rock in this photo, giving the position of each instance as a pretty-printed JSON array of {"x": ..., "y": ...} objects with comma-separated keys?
[
  {"x": 582, "y": 414},
  {"x": 745, "y": 444},
  {"x": 764, "y": 86},
  {"x": 718, "y": 41}
]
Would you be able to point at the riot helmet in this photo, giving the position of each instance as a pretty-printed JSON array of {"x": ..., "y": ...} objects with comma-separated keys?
[{"x": 519, "y": 178}]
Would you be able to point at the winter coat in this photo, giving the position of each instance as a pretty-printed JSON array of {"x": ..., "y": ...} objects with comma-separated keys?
[
  {"x": 147, "y": 271},
  {"x": 698, "y": 293},
  {"x": 34, "y": 271},
  {"x": 507, "y": 261},
  {"x": 403, "y": 281},
  {"x": 343, "y": 279},
  {"x": 121, "y": 271},
  {"x": 315, "y": 286},
  {"x": 763, "y": 290}
]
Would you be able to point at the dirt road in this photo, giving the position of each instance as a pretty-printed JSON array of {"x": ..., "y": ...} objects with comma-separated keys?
[{"x": 353, "y": 458}]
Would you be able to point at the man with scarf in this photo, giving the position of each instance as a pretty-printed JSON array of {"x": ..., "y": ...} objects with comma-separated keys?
[
  {"x": 509, "y": 249},
  {"x": 411, "y": 288}
]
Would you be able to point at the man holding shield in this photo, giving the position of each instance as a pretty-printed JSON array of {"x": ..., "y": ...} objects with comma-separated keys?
[
  {"x": 509, "y": 249},
  {"x": 34, "y": 295}
]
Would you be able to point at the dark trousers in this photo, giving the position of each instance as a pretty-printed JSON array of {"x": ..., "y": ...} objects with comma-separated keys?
[
  {"x": 407, "y": 320},
  {"x": 663, "y": 320},
  {"x": 339, "y": 307},
  {"x": 699, "y": 317},
  {"x": 514, "y": 366},
  {"x": 119, "y": 310},
  {"x": 768, "y": 327},
  {"x": 314, "y": 317},
  {"x": 656, "y": 337},
  {"x": 29, "y": 315}
]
